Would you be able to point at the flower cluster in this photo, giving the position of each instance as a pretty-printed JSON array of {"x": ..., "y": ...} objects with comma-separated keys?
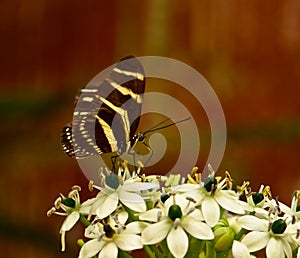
[{"x": 180, "y": 217}]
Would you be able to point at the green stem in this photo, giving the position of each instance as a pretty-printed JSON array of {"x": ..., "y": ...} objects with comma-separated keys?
[
  {"x": 131, "y": 215},
  {"x": 157, "y": 251},
  {"x": 240, "y": 234},
  {"x": 84, "y": 220},
  {"x": 164, "y": 247},
  {"x": 295, "y": 251},
  {"x": 123, "y": 254},
  {"x": 242, "y": 231},
  {"x": 149, "y": 251}
]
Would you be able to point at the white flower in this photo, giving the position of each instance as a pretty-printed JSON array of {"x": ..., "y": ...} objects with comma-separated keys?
[
  {"x": 256, "y": 201},
  {"x": 239, "y": 250},
  {"x": 114, "y": 189},
  {"x": 292, "y": 213},
  {"x": 173, "y": 220},
  {"x": 211, "y": 195},
  {"x": 72, "y": 209},
  {"x": 108, "y": 236},
  {"x": 274, "y": 235}
]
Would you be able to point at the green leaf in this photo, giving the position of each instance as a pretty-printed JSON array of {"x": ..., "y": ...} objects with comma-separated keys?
[
  {"x": 123, "y": 254},
  {"x": 195, "y": 247}
]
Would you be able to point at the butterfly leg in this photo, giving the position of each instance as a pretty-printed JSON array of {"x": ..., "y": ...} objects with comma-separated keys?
[
  {"x": 113, "y": 162},
  {"x": 150, "y": 152}
]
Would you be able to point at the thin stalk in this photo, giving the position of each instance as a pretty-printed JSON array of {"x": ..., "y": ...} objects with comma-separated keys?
[
  {"x": 84, "y": 220},
  {"x": 149, "y": 251}
]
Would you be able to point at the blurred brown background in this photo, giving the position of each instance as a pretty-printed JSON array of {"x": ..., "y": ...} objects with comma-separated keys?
[{"x": 249, "y": 51}]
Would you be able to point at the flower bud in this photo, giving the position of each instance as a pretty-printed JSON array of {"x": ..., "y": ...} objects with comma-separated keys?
[
  {"x": 221, "y": 223},
  {"x": 208, "y": 250},
  {"x": 224, "y": 237}
]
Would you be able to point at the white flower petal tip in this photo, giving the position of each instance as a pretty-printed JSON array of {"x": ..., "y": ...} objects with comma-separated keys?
[
  {"x": 240, "y": 250},
  {"x": 178, "y": 242}
]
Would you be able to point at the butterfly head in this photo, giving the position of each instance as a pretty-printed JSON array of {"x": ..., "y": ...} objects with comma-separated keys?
[{"x": 138, "y": 137}]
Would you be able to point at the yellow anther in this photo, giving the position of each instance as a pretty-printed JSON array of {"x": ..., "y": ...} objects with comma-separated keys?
[
  {"x": 191, "y": 180},
  {"x": 51, "y": 211},
  {"x": 73, "y": 193},
  {"x": 57, "y": 202},
  {"x": 76, "y": 188},
  {"x": 194, "y": 171},
  {"x": 218, "y": 178},
  {"x": 244, "y": 186},
  {"x": 297, "y": 194},
  {"x": 228, "y": 176},
  {"x": 91, "y": 185},
  {"x": 228, "y": 180},
  {"x": 267, "y": 192}
]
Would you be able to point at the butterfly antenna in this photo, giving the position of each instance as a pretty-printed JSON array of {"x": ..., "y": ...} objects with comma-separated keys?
[{"x": 154, "y": 128}]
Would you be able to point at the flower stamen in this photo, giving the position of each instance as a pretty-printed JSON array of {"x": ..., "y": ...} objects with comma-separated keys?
[
  {"x": 228, "y": 180},
  {"x": 91, "y": 185},
  {"x": 267, "y": 192}
]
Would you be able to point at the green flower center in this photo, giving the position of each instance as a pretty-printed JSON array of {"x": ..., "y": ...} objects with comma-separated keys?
[
  {"x": 69, "y": 202},
  {"x": 175, "y": 212},
  {"x": 257, "y": 197},
  {"x": 278, "y": 226},
  {"x": 164, "y": 197},
  {"x": 112, "y": 180},
  {"x": 109, "y": 232},
  {"x": 209, "y": 183}
]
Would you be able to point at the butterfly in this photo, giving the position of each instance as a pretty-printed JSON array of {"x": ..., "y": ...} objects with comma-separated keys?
[{"x": 112, "y": 128}]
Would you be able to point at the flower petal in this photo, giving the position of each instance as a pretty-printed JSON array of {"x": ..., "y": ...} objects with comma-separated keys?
[
  {"x": 138, "y": 186},
  {"x": 256, "y": 240},
  {"x": 150, "y": 215},
  {"x": 155, "y": 233},
  {"x": 70, "y": 221},
  {"x": 211, "y": 211},
  {"x": 122, "y": 217},
  {"x": 197, "y": 195},
  {"x": 228, "y": 202},
  {"x": 136, "y": 227},
  {"x": 286, "y": 248},
  {"x": 133, "y": 201},
  {"x": 197, "y": 228},
  {"x": 274, "y": 248},
  {"x": 91, "y": 248},
  {"x": 187, "y": 188},
  {"x": 240, "y": 250},
  {"x": 179, "y": 200},
  {"x": 128, "y": 242},
  {"x": 197, "y": 215},
  {"x": 106, "y": 205},
  {"x": 250, "y": 222},
  {"x": 93, "y": 230},
  {"x": 178, "y": 242},
  {"x": 109, "y": 250},
  {"x": 86, "y": 206}
]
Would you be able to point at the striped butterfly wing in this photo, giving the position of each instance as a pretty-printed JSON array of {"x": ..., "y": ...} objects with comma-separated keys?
[{"x": 118, "y": 100}]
